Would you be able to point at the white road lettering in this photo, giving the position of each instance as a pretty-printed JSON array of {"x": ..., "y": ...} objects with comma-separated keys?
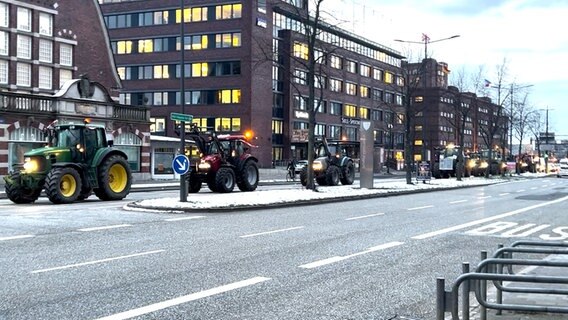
[
  {"x": 97, "y": 261},
  {"x": 480, "y": 221},
  {"x": 367, "y": 216},
  {"x": 105, "y": 227},
  {"x": 269, "y": 232},
  {"x": 331, "y": 260},
  {"x": 184, "y": 299},
  {"x": 562, "y": 234}
]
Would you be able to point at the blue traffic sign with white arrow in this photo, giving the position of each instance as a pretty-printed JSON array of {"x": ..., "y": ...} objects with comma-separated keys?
[{"x": 181, "y": 164}]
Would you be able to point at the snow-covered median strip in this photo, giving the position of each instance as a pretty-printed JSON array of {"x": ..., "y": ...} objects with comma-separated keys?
[{"x": 301, "y": 195}]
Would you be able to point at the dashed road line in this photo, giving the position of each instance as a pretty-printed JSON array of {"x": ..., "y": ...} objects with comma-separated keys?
[
  {"x": 184, "y": 218},
  {"x": 481, "y": 198},
  {"x": 504, "y": 194},
  {"x": 23, "y": 236},
  {"x": 184, "y": 299},
  {"x": 419, "y": 208},
  {"x": 116, "y": 226},
  {"x": 457, "y": 201},
  {"x": 522, "y": 190},
  {"x": 269, "y": 232},
  {"x": 334, "y": 259},
  {"x": 367, "y": 216},
  {"x": 97, "y": 261}
]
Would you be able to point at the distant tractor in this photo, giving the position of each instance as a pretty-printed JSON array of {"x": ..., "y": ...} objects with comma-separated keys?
[
  {"x": 330, "y": 166},
  {"x": 224, "y": 160},
  {"x": 446, "y": 162},
  {"x": 77, "y": 161}
]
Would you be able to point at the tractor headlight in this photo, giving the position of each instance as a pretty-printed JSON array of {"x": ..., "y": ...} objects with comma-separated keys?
[
  {"x": 203, "y": 166},
  {"x": 471, "y": 164},
  {"x": 483, "y": 165},
  {"x": 30, "y": 165},
  {"x": 317, "y": 166}
]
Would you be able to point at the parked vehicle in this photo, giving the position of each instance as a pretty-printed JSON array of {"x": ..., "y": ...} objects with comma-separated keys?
[
  {"x": 300, "y": 165},
  {"x": 225, "y": 161},
  {"x": 330, "y": 166},
  {"x": 77, "y": 161}
]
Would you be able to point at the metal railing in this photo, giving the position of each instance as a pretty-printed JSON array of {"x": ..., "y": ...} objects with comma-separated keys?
[{"x": 492, "y": 269}]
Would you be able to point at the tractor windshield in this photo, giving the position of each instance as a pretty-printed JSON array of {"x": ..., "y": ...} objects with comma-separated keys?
[{"x": 68, "y": 137}]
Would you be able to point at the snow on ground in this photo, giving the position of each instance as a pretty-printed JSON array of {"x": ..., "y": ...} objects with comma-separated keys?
[{"x": 207, "y": 200}]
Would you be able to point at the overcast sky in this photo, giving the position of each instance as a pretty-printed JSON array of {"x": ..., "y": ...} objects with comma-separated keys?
[{"x": 529, "y": 34}]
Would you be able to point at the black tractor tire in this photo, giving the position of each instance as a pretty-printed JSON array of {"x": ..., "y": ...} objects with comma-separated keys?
[
  {"x": 193, "y": 184},
  {"x": 348, "y": 174},
  {"x": 248, "y": 177},
  {"x": 211, "y": 183},
  {"x": 63, "y": 185},
  {"x": 18, "y": 193},
  {"x": 85, "y": 193},
  {"x": 322, "y": 181},
  {"x": 225, "y": 180},
  {"x": 332, "y": 175},
  {"x": 114, "y": 178},
  {"x": 304, "y": 176}
]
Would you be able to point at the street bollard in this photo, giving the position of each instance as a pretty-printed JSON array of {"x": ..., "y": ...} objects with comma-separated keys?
[
  {"x": 483, "y": 287},
  {"x": 440, "y": 298},
  {"x": 465, "y": 293},
  {"x": 499, "y": 293}
]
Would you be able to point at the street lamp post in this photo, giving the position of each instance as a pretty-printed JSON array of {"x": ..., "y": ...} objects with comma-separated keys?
[
  {"x": 425, "y": 40},
  {"x": 183, "y": 185}
]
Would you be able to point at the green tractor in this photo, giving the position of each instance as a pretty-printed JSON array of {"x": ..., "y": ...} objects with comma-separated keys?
[
  {"x": 330, "y": 166},
  {"x": 77, "y": 161}
]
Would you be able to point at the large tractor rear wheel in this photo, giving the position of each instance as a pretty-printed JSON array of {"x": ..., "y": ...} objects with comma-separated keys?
[
  {"x": 114, "y": 178},
  {"x": 248, "y": 177},
  {"x": 17, "y": 193},
  {"x": 63, "y": 185},
  {"x": 225, "y": 180},
  {"x": 348, "y": 174},
  {"x": 304, "y": 176}
]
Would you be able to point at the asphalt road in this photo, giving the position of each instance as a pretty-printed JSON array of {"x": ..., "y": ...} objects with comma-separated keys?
[{"x": 365, "y": 259}]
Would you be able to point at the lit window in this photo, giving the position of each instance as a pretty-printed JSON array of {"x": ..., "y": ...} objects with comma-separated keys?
[
  {"x": 349, "y": 110},
  {"x": 45, "y": 78},
  {"x": 389, "y": 77},
  {"x": 23, "y": 74},
  {"x": 24, "y": 47},
  {"x": 145, "y": 46},
  {"x": 24, "y": 19},
  {"x": 124, "y": 47},
  {"x": 364, "y": 91},
  {"x": 157, "y": 124},
  {"x": 350, "y": 89},
  {"x": 199, "y": 69},
  {"x": 45, "y": 24},
  {"x": 364, "y": 113},
  {"x": 301, "y": 50},
  {"x": 66, "y": 55},
  {"x": 45, "y": 51},
  {"x": 417, "y": 142}
]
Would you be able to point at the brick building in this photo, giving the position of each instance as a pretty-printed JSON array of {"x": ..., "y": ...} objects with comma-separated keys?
[
  {"x": 45, "y": 46},
  {"x": 233, "y": 86}
]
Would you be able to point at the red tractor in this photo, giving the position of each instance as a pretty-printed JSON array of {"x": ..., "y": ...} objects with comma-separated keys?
[{"x": 224, "y": 160}]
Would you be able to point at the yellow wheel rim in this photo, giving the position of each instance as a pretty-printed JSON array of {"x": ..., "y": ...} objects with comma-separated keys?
[
  {"x": 117, "y": 178},
  {"x": 68, "y": 185}
]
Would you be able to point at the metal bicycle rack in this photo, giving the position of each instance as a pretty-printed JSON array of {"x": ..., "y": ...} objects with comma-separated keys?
[{"x": 492, "y": 269}]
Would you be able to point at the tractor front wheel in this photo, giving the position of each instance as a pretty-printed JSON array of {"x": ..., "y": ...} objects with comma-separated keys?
[
  {"x": 332, "y": 175},
  {"x": 63, "y": 185},
  {"x": 20, "y": 194},
  {"x": 115, "y": 179},
  {"x": 194, "y": 184},
  {"x": 225, "y": 180}
]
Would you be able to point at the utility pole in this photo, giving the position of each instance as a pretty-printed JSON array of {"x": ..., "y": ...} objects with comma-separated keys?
[{"x": 182, "y": 184}]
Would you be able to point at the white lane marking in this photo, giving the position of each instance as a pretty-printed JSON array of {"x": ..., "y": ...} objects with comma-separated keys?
[
  {"x": 97, "y": 261},
  {"x": 269, "y": 232},
  {"x": 476, "y": 222},
  {"x": 367, "y": 216},
  {"x": 504, "y": 194},
  {"x": 184, "y": 218},
  {"x": 331, "y": 260},
  {"x": 23, "y": 236},
  {"x": 534, "y": 188},
  {"x": 481, "y": 198},
  {"x": 522, "y": 190},
  {"x": 184, "y": 299},
  {"x": 418, "y": 208},
  {"x": 105, "y": 227},
  {"x": 457, "y": 201}
]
